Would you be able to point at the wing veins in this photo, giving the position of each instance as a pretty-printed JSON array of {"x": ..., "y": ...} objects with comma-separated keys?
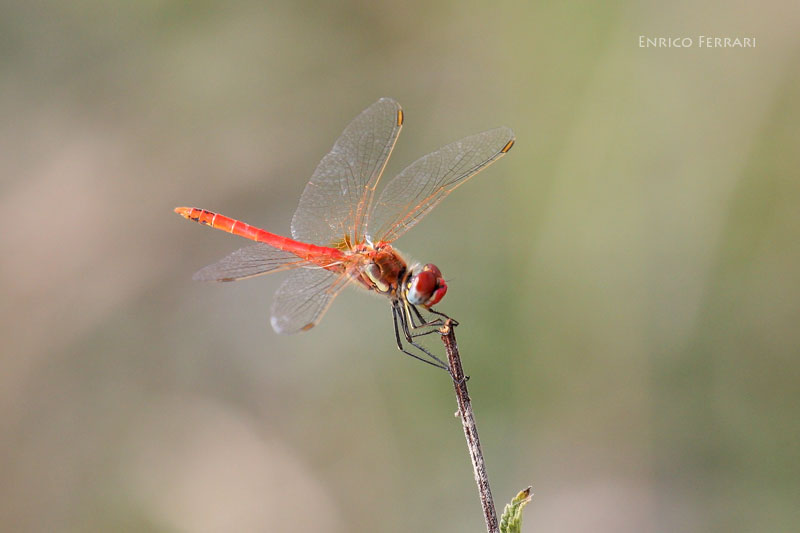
[{"x": 423, "y": 184}]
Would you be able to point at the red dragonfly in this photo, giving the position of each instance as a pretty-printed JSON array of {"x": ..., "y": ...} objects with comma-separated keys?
[{"x": 340, "y": 236}]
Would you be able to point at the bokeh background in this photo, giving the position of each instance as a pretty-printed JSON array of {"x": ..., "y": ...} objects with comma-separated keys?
[{"x": 626, "y": 279}]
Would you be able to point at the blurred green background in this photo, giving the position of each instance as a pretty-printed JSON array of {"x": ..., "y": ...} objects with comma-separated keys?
[{"x": 626, "y": 279}]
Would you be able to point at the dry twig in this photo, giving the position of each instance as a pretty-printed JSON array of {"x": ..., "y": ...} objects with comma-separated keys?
[{"x": 470, "y": 430}]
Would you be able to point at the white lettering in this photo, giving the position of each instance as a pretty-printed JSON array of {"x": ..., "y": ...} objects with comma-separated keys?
[{"x": 703, "y": 41}]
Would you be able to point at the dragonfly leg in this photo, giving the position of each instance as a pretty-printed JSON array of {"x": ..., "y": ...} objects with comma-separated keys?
[
  {"x": 442, "y": 321},
  {"x": 412, "y": 326},
  {"x": 435, "y": 323},
  {"x": 407, "y": 332},
  {"x": 445, "y": 317},
  {"x": 429, "y": 357}
]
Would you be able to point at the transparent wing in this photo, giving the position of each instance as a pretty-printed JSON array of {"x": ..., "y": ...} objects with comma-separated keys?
[
  {"x": 248, "y": 262},
  {"x": 334, "y": 204},
  {"x": 423, "y": 184},
  {"x": 304, "y": 297}
]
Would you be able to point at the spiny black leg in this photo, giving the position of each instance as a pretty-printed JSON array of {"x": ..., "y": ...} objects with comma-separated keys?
[
  {"x": 408, "y": 317},
  {"x": 435, "y": 325},
  {"x": 423, "y": 333},
  {"x": 441, "y": 364},
  {"x": 419, "y": 316},
  {"x": 410, "y": 338},
  {"x": 438, "y": 364},
  {"x": 446, "y": 317},
  {"x": 438, "y": 322}
]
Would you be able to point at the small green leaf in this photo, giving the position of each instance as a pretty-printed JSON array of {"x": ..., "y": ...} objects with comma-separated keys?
[{"x": 511, "y": 521}]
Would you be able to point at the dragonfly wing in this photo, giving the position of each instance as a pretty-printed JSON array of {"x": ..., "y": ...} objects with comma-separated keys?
[
  {"x": 248, "y": 262},
  {"x": 333, "y": 207},
  {"x": 423, "y": 184},
  {"x": 304, "y": 297}
]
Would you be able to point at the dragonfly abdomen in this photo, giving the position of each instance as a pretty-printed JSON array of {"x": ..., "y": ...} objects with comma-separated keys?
[{"x": 309, "y": 252}]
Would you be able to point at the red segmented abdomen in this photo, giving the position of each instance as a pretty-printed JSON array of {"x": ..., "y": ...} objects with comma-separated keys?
[{"x": 309, "y": 252}]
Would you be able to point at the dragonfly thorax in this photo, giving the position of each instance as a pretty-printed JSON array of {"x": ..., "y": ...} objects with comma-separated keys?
[
  {"x": 382, "y": 270},
  {"x": 373, "y": 272}
]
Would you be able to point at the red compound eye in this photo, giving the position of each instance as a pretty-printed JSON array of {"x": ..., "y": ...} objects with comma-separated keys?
[
  {"x": 430, "y": 267},
  {"x": 438, "y": 294},
  {"x": 426, "y": 287}
]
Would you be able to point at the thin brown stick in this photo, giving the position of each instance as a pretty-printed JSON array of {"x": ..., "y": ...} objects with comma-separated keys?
[{"x": 470, "y": 430}]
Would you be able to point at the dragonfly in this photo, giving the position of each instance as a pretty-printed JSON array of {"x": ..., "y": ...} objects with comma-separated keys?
[{"x": 342, "y": 235}]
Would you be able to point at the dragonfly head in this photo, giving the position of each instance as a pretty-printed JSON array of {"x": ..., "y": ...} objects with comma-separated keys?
[{"x": 425, "y": 287}]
